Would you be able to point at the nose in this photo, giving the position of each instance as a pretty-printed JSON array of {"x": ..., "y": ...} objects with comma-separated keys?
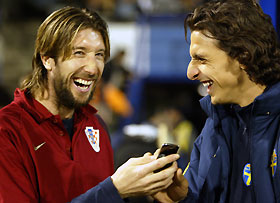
[
  {"x": 91, "y": 66},
  {"x": 193, "y": 71}
]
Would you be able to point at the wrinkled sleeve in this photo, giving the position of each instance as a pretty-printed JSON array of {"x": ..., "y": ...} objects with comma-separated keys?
[
  {"x": 15, "y": 184},
  {"x": 198, "y": 166},
  {"x": 104, "y": 192},
  {"x": 191, "y": 173}
]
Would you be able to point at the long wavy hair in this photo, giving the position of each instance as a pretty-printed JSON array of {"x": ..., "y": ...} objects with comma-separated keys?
[
  {"x": 244, "y": 32},
  {"x": 55, "y": 38}
]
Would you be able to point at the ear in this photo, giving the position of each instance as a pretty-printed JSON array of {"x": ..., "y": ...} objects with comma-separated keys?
[
  {"x": 242, "y": 67},
  {"x": 48, "y": 62}
]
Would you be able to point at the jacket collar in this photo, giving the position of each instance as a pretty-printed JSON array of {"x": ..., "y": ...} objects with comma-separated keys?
[
  {"x": 40, "y": 112},
  {"x": 216, "y": 112},
  {"x": 264, "y": 104},
  {"x": 267, "y": 103}
]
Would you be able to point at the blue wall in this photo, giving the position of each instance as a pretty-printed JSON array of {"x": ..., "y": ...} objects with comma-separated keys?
[
  {"x": 270, "y": 7},
  {"x": 169, "y": 51}
]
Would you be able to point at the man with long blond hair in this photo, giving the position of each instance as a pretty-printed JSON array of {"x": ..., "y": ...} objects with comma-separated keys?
[{"x": 54, "y": 146}]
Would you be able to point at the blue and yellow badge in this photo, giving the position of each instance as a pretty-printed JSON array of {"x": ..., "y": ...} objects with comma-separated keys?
[
  {"x": 247, "y": 174},
  {"x": 273, "y": 162}
]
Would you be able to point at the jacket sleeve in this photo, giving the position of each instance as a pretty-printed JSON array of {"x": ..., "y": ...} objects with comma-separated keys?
[
  {"x": 205, "y": 163},
  {"x": 192, "y": 173},
  {"x": 104, "y": 192},
  {"x": 190, "y": 198},
  {"x": 15, "y": 182}
]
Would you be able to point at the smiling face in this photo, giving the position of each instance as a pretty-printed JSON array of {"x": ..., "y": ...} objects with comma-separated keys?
[
  {"x": 225, "y": 80},
  {"x": 72, "y": 81}
]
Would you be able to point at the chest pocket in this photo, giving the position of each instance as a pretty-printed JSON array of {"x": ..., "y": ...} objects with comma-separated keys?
[{"x": 213, "y": 189}]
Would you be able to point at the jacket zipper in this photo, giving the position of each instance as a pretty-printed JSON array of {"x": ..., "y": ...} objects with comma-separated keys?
[{"x": 250, "y": 152}]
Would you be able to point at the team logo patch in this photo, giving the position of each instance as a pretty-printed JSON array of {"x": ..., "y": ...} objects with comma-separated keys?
[
  {"x": 93, "y": 138},
  {"x": 247, "y": 174},
  {"x": 273, "y": 162}
]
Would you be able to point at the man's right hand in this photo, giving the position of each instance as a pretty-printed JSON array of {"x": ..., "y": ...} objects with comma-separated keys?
[{"x": 136, "y": 177}]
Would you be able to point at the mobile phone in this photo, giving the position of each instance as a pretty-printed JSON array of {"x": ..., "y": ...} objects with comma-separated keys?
[{"x": 165, "y": 150}]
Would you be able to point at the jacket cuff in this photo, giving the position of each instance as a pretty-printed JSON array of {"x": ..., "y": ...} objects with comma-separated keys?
[{"x": 111, "y": 191}]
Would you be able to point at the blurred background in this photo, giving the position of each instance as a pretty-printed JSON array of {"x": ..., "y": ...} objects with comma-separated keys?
[{"x": 144, "y": 96}]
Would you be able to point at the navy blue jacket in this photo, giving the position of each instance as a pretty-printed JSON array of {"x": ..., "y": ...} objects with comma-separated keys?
[
  {"x": 104, "y": 192},
  {"x": 210, "y": 165}
]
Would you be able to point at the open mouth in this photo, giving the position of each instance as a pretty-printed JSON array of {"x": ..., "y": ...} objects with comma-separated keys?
[
  {"x": 207, "y": 83},
  {"x": 83, "y": 84}
]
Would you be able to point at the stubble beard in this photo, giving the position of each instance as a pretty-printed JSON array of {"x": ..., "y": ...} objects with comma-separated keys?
[{"x": 65, "y": 96}]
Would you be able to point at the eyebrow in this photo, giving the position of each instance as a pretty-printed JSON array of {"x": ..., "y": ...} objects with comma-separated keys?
[
  {"x": 101, "y": 50},
  {"x": 84, "y": 48}
]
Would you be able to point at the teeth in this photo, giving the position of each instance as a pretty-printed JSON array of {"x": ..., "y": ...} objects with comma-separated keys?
[
  {"x": 208, "y": 83},
  {"x": 83, "y": 82},
  {"x": 84, "y": 87}
]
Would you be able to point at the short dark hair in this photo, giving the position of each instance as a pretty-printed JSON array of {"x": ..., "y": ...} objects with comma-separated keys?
[{"x": 244, "y": 32}]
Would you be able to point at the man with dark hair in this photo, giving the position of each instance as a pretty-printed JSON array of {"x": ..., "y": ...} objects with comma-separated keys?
[
  {"x": 54, "y": 146},
  {"x": 236, "y": 55}
]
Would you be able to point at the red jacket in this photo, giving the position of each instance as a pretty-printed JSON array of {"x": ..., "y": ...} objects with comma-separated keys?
[{"x": 38, "y": 161}]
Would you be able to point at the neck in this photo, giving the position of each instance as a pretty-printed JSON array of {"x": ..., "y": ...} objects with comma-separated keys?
[
  {"x": 53, "y": 107},
  {"x": 250, "y": 92}
]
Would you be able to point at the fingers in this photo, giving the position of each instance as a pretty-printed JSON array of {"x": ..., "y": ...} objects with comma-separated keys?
[
  {"x": 146, "y": 158},
  {"x": 159, "y": 185},
  {"x": 159, "y": 163},
  {"x": 179, "y": 174},
  {"x": 141, "y": 160},
  {"x": 147, "y": 164},
  {"x": 163, "y": 179},
  {"x": 180, "y": 180},
  {"x": 162, "y": 197},
  {"x": 147, "y": 154},
  {"x": 166, "y": 173},
  {"x": 157, "y": 153}
]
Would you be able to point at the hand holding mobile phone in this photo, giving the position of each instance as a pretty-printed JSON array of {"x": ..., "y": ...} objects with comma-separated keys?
[{"x": 165, "y": 150}]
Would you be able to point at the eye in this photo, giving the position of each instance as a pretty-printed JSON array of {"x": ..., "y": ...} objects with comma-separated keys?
[
  {"x": 79, "y": 53},
  {"x": 100, "y": 55},
  {"x": 201, "y": 59}
]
